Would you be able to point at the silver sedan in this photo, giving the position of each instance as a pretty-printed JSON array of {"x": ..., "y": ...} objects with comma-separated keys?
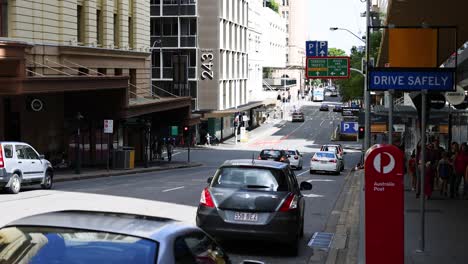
[{"x": 295, "y": 159}]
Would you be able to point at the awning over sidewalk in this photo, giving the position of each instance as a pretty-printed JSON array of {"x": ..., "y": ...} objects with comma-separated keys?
[
  {"x": 241, "y": 108},
  {"x": 145, "y": 106}
]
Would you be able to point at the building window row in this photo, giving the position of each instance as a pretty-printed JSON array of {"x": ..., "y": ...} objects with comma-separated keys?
[
  {"x": 173, "y": 2},
  {"x": 3, "y": 18}
]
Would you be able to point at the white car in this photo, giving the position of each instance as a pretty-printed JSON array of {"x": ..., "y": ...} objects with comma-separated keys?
[
  {"x": 326, "y": 161},
  {"x": 20, "y": 164},
  {"x": 295, "y": 159},
  {"x": 338, "y": 149}
]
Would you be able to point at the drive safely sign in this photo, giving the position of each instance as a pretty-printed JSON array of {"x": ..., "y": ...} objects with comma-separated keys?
[{"x": 438, "y": 79}]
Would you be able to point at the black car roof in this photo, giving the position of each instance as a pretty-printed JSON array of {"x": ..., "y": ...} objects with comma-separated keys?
[
  {"x": 129, "y": 224},
  {"x": 255, "y": 163}
]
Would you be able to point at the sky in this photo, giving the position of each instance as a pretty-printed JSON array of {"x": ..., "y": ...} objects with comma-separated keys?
[{"x": 323, "y": 14}]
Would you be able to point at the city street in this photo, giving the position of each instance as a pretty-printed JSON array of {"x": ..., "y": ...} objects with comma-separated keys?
[{"x": 183, "y": 186}]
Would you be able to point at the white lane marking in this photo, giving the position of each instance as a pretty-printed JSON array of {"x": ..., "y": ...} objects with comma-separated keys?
[
  {"x": 302, "y": 172},
  {"x": 320, "y": 180},
  {"x": 331, "y": 122},
  {"x": 322, "y": 122},
  {"x": 312, "y": 195},
  {"x": 173, "y": 189}
]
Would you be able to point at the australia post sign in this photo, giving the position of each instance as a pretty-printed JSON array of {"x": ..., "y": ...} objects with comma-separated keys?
[{"x": 384, "y": 205}]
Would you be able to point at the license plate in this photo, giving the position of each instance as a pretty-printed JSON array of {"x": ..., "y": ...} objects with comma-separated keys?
[
  {"x": 246, "y": 217},
  {"x": 323, "y": 162}
]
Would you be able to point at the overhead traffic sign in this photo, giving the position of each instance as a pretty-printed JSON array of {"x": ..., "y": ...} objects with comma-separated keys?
[
  {"x": 349, "y": 127},
  {"x": 328, "y": 68},
  {"x": 316, "y": 48},
  {"x": 400, "y": 79}
]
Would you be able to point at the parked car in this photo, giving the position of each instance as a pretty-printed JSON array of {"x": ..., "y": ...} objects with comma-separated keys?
[
  {"x": 295, "y": 159},
  {"x": 337, "y": 108},
  {"x": 325, "y": 161},
  {"x": 298, "y": 116},
  {"x": 101, "y": 237},
  {"x": 333, "y": 93},
  {"x": 274, "y": 154},
  {"x": 338, "y": 149},
  {"x": 20, "y": 164},
  {"x": 324, "y": 107},
  {"x": 254, "y": 200}
]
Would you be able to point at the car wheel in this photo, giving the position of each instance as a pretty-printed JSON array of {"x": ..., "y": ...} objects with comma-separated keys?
[
  {"x": 48, "y": 181},
  {"x": 311, "y": 171},
  {"x": 15, "y": 184}
]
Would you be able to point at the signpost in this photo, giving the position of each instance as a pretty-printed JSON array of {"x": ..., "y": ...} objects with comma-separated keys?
[
  {"x": 316, "y": 48},
  {"x": 401, "y": 79},
  {"x": 108, "y": 129},
  {"x": 349, "y": 127},
  {"x": 328, "y": 68},
  {"x": 384, "y": 206},
  {"x": 350, "y": 112}
]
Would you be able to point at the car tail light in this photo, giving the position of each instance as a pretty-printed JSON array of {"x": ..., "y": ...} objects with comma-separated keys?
[
  {"x": 314, "y": 159},
  {"x": 2, "y": 164},
  {"x": 296, "y": 157},
  {"x": 289, "y": 204},
  {"x": 206, "y": 199},
  {"x": 259, "y": 157},
  {"x": 333, "y": 160},
  {"x": 282, "y": 159}
]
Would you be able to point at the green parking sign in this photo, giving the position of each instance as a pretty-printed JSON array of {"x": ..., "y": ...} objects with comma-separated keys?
[
  {"x": 327, "y": 67},
  {"x": 174, "y": 130}
]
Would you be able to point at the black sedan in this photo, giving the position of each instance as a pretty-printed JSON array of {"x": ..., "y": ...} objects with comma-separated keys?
[
  {"x": 324, "y": 107},
  {"x": 337, "y": 108},
  {"x": 274, "y": 154},
  {"x": 77, "y": 237},
  {"x": 254, "y": 200}
]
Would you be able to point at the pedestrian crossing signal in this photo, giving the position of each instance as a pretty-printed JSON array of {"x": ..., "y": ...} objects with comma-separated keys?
[{"x": 361, "y": 132}]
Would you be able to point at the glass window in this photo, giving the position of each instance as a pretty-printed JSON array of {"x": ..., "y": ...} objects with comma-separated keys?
[
  {"x": 43, "y": 245},
  {"x": 325, "y": 155},
  {"x": 155, "y": 2},
  {"x": 198, "y": 248},
  {"x": 30, "y": 153},
  {"x": 8, "y": 151},
  {"x": 3, "y": 18},
  {"x": 80, "y": 24},
  {"x": 242, "y": 177},
  {"x": 170, "y": 26},
  {"x": 155, "y": 26},
  {"x": 271, "y": 153},
  {"x": 20, "y": 152}
]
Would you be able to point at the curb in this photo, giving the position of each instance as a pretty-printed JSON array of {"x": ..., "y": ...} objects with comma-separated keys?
[{"x": 121, "y": 173}]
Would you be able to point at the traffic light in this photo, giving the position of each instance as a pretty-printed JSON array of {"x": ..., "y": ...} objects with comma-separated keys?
[
  {"x": 361, "y": 132},
  {"x": 185, "y": 130}
]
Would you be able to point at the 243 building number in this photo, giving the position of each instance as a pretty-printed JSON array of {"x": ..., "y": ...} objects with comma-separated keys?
[{"x": 207, "y": 66}]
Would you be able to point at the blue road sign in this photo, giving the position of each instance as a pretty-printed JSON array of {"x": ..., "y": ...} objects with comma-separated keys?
[
  {"x": 316, "y": 48},
  {"x": 349, "y": 127},
  {"x": 436, "y": 79}
]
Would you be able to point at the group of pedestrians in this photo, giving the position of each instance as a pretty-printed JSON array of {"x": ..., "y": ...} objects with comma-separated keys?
[
  {"x": 157, "y": 146},
  {"x": 285, "y": 98},
  {"x": 444, "y": 170}
]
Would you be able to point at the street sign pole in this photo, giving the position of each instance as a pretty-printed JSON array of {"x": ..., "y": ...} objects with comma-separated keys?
[
  {"x": 423, "y": 171},
  {"x": 390, "y": 117}
]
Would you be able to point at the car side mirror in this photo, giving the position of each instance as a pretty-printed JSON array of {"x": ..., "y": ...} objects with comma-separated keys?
[
  {"x": 209, "y": 180},
  {"x": 306, "y": 186},
  {"x": 252, "y": 262},
  {"x": 41, "y": 157}
]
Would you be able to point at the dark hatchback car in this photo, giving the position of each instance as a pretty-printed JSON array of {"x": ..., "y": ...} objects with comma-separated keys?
[
  {"x": 274, "y": 155},
  {"x": 297, "y": 117},
  {"x": 324, "y": 107},
  {"x": 78, "y": 237},
  {"x": 337, "y": 108},
  {"x": 254, "y": 200}
]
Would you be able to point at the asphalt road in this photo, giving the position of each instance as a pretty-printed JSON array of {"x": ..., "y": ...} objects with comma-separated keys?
[{"x": 184, "y": 186}]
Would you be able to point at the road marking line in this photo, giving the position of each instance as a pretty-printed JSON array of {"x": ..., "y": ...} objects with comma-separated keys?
[
  {"x": 320, "y": 180},
  {"x": 313, "y": 195},
  {"x": 303, "y": 172},
  {"x": 322, "y": 122},
  {"x": 173, "y": 189}
]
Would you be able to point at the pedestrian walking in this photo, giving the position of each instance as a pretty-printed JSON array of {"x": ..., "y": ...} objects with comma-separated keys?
[
  {"x": 444, "y": 170},
  {"x": 429, "y": 180},
  {"x": 159, "y": 150},
  {"x": 208, "y": 139},
  {"x": 169, "y": 149},
  {"x": 459, "y": 163},
  {"x": 412, "y": 171}
]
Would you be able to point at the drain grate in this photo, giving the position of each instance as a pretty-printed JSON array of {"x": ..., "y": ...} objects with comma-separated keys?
[{"x": 321, "y": 240}]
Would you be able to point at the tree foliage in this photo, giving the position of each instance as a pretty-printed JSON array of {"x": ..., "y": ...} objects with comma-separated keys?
[
  {"x": 273, "y": 5},
  {"x": 336, "y": 52}
]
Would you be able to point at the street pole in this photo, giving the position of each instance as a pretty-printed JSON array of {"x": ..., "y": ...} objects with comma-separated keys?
[
  {"x": 390, "y": 117},
  {"x": 189, "y": 143},
  {"x": 77, "y": 151},
  {"x": 423, "y": 171},
  {"x": 367, "y": 127}
]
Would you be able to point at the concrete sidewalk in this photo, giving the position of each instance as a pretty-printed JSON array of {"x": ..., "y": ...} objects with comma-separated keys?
[{"x": 92, "y": 173}]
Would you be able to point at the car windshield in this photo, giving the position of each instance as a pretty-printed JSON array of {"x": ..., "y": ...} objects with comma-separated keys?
[
  {"x": 42, "y": 245},
  {"x": 270, "y": 153},
  {"x": 250, "y": 177},
  {"x": 325, "y": 155},
  {"x": 329, "y": 148}
]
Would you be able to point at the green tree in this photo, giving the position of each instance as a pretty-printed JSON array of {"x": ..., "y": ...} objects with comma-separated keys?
[
  {"x": 336, "y": 52},
  {"x": 273, "y": 5}
]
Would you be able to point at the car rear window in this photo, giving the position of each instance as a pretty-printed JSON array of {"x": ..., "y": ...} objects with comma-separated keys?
[
  {"x": 44, "y": 245},
  {"x": 263, "y": 179},
  {"x": 329, "y": 148},
  {"x": 291, "y": 152},
  {"x": 8, "y": 151},
  {"x": 325, "y": 155},
  {"x": 270, "y": 153}
]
